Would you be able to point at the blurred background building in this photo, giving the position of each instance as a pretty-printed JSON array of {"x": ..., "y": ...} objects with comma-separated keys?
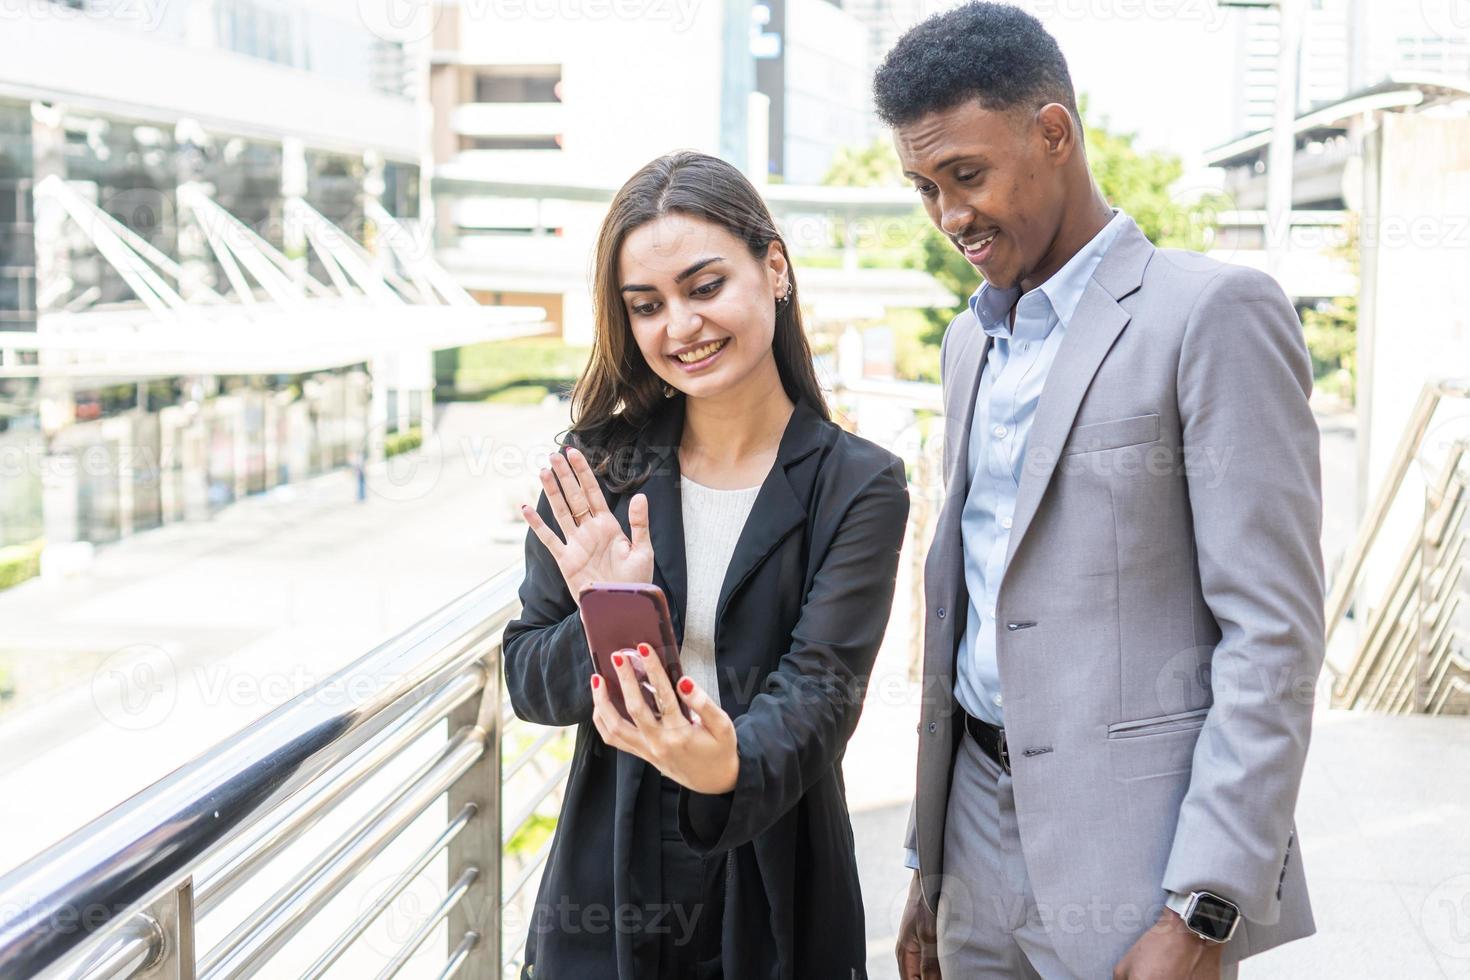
[
  {"x": 252, "y": 252},
  {"x": 197, "y": 287}
]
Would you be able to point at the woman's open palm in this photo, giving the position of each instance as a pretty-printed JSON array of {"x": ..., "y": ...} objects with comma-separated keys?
[{"x": 595, "y": 548}]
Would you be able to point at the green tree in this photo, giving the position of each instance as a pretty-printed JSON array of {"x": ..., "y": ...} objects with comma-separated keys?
[
  {"x": 1332, "y": 333},
  {"x": 1140, "y": 182}
]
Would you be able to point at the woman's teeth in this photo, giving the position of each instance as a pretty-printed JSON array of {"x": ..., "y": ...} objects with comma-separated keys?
[{"x": 700, "y": 353}]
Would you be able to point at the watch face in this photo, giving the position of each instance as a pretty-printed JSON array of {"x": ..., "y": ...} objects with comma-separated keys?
[{"x": 1213, "y": 917}]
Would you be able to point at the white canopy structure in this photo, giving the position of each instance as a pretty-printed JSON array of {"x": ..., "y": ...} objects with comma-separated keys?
[{"x": 274, "y": 317}]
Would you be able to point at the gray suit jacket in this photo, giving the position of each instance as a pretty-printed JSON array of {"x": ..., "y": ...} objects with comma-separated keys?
[{"x": 1161, "y": 608}]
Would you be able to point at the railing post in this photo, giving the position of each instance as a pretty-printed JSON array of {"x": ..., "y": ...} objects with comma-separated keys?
[
  {"x": 1423, "y": 632},
  {"x": 171, "y": 917},
  {"x": 479, "y": 844}
]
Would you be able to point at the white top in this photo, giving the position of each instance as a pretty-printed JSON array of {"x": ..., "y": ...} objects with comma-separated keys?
[{"x": 713, "y": 520}]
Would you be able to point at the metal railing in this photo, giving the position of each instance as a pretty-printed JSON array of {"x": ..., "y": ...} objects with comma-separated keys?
[
  {"x": 124, "y": 895},
  {"x": 1411, "y": 652}
]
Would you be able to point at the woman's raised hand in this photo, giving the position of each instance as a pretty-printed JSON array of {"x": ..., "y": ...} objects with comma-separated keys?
[{"x": 595, "y": 548}]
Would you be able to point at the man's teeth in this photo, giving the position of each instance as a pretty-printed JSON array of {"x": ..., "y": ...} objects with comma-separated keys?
[
  {"x": 700, "y": 353},
  {"x": 976, "y": 246}
]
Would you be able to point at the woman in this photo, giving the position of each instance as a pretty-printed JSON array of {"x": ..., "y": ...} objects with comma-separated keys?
[{"x": 701, "y": 458}]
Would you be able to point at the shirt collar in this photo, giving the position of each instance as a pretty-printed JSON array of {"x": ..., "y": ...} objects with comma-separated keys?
[{"x": 992, "y": 305}]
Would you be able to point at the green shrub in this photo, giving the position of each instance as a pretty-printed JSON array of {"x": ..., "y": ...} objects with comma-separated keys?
[
  {"x": 20, "y": 562},
  {"x": 401, "y": 442},
  {"x": 479, "y": 371}
]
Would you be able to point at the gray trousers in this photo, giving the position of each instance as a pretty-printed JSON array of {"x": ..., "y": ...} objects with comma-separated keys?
[{"x": 989, "y": 925}]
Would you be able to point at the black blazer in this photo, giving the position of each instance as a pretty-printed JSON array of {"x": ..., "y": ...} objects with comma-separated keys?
[{"x": 800, "y": 617}]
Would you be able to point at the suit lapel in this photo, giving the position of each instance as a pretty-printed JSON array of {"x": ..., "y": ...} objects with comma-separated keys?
[
  {"x": 778, "y": 509},
  {"x": 1093, "y": 329},
  {"x": 961, "y": 406},
  {"x": 666, "y": 511}
]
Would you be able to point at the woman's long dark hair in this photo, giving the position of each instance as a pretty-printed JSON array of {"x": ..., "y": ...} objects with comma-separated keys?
[{"x": 618, "y": 394}]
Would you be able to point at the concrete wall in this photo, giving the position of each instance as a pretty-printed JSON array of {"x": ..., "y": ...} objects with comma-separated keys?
[{"x": 1415, "y": 313}]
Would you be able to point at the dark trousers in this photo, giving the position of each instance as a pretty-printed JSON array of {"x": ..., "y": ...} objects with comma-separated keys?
[{"x": 693, "y": 900}]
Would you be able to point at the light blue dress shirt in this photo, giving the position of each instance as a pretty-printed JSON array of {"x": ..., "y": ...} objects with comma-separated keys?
[{"x": 1005, "y": 404}]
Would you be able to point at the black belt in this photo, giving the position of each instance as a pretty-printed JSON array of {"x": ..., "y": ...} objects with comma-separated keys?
[{"x": 992, "y": 740}]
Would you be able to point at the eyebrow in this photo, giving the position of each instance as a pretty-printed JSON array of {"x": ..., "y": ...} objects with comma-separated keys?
[
  {"x": 640, "y": 288},
  {"x": 950, "y": 161}
]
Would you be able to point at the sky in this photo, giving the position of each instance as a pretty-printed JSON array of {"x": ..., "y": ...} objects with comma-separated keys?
[{"x": 1160, "y": 68}]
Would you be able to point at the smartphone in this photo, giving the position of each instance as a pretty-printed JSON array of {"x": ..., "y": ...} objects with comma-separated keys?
[{"x": 618, "y": 616}]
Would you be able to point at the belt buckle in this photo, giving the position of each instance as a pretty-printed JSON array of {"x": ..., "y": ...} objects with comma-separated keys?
[{"x": 1003, "y": 750}]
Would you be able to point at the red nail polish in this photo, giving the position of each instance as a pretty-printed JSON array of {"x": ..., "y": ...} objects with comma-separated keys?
[
  {"x": 686, "y": 686},
  {"x": 596, "y": 680},
  {"x": 617, "y": 660},
  {"x": 645, "y": 649}
]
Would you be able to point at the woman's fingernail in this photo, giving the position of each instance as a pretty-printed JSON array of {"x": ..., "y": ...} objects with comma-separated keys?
[
  {"x": 596, "y": 681},
  {"x": 617, "y": 660},
  {"x": 645, "y": 649},
  {"x": 686, "y": 686}
]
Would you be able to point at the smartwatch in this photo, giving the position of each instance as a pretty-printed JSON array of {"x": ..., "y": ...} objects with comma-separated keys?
[{"x": 1210, "y": 917}]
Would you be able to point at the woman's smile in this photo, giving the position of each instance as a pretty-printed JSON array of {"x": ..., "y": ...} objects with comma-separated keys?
[{"x": 693, "y": 359}]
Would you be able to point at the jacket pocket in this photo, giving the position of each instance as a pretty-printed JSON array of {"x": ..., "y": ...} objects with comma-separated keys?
[
  {"x": 1159, "y": 724},
  {"x": 1112, "y": 434}
]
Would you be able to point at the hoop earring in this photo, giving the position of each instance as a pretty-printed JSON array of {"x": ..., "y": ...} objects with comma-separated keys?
[
  {"x": 784, "y": 301},
  {"x": 670, "y": 391}
]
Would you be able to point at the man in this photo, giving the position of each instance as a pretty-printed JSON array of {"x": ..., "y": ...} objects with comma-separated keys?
[{"x": 1123, "y": 622}]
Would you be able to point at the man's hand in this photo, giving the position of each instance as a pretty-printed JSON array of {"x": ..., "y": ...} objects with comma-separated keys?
[
  {"x": 1169, "y": 951},
  {"x": 918, "y": 946}
]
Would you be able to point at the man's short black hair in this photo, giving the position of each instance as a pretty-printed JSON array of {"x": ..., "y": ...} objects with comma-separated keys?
[{"x": 993, "y": 52}]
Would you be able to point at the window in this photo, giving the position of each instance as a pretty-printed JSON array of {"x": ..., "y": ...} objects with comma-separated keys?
[
  {"x": 510, "y": 142},
  {"x": 518, "y": 83}
]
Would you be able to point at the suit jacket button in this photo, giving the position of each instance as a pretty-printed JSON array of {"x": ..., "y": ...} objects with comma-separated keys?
[
  {"x": 933, "y": 728},
  {"x": 941, "y": 612}
]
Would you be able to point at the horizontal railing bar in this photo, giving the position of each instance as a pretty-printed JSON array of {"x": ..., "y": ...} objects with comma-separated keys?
[
  {"x": 530, "y": 754},
  {"x": 460, "y": 955},
  {"x": 527, "y": 873},
  {"x": 455, "y": 896},
  {"x": 540, "y": 796},
  {"x": 265, "y": 842},
  {"x": 1346, "y": 581},
  {"x": 517, "y": 954},
  {"x": 126, "y": 952},
  {"x": 381, "y": 903},
  {"x": 119, "y": 858},
  {"x": 247, "y": 948},
  {"x": 1456, "y": 685}
]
